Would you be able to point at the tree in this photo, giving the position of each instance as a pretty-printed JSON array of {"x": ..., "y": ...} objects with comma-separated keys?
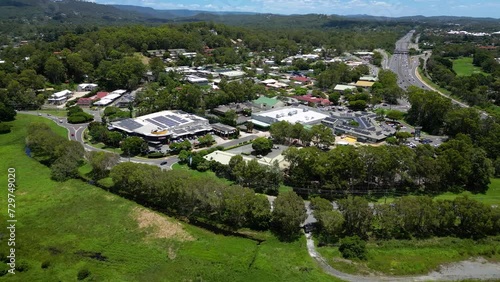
[
  {"x": 331, "y": 224},
  {"x": 428, "y": 109},
  {"x": 6, "y": 113},
  {"x": 206, "y": 140},
  {"x": 178, "y": 147},
  {"x": 133, "y": 145},
  {"x": 288, "y": 214},
  {"x": 64, "y": 168},
  {"x": 357, "y": 105},
  {"x": 462, "y": 120},
  {"x": 395, "y": 115},
  {"x": 281, "y": 132},
  {"x": 357, "y": 214},
  {"x": 54, "y": 70},
  {"x": 262, "y": 145},
  {"x": 259, "y": 213},
  {"x": 101, "y": 163},
  {"x": 322, "y": 135},
  {"x": 353, "y": 248}
]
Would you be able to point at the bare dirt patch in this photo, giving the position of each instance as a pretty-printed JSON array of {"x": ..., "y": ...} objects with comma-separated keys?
[{"x": 158, "y": 226}]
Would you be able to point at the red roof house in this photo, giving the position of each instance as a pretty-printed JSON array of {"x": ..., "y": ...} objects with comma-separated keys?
[{"x": 311, "y": 99}]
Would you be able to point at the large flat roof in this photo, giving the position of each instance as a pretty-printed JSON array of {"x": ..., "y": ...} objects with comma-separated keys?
[
  {"x": 294, "y": 115},
  {"x": 164, "y": 123}
]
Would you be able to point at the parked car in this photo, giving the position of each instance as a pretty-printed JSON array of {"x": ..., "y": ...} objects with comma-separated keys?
[{"x": 163, "y": 163}]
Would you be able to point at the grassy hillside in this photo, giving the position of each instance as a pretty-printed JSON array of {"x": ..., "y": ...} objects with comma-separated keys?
[
  {"x": 72, "y": 226},
  {"x": 464, "y": 67}
]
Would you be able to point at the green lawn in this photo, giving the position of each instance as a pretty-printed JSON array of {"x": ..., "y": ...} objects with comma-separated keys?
[
  {"x": 197, "y": 174},
  {"x": 407, "y": 257},
  {"x": 73, "y": 226},
  {"x": 54, "y": 112},
  {"x": 104, "y": 147},
  {"x": 464, "y": 67},
  {"x": 491, "y": 197}
]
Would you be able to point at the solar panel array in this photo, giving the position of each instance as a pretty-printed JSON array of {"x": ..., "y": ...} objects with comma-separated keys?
[
  {"x": 161, "y": 125},
  {"x": 129, "y": 124},
  {"x": 166, "y": 121},
  {"x": 176, "y": 118}
]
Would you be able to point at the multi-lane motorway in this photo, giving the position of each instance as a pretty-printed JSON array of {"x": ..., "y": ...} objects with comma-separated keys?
[{"x": 405, "y": 66}]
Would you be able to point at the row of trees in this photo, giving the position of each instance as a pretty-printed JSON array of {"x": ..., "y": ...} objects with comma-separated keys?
[
  {"x": 204, "y": 199},
  {"x": 437, "y": 115},
  {"x": 405, "y": 218},
  {"x": 476, "y": 89},
  {"x": 61, "y": 155},
  {"x": 456, "y": 165}
]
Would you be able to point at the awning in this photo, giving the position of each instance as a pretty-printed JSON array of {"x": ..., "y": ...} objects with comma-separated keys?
[{"x": 259, "y": 123}]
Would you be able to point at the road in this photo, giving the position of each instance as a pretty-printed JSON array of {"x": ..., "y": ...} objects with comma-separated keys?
[
  {"x": 75, "y": 133},
  {"x": 406, "y": 68}
]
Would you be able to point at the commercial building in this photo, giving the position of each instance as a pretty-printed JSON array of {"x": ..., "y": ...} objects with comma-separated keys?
[
  {"x": 304, "y": 115},
  {"x": 264, "y": 102},
  {"x": 163, "y": 126},
  {"x": 60, "y": 97},
  {"x": 361, "y": 125}
]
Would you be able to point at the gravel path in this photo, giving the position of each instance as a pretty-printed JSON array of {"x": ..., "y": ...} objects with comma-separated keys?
[{"x": 470, "y": 269}]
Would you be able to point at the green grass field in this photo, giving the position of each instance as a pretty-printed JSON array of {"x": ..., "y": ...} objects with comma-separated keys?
[
  {"x": 491, "y": 197},
  {"x": 407, "y": 257},
  {"x": 72, "y": 226},
  {"x": 464, "y": 67},
  {"x": 54, "y": 112}
]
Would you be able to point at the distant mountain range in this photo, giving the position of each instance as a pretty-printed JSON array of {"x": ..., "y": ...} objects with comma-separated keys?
[
  {"x": 171, "y": 14},
  {"x": 38, "y": 12}
]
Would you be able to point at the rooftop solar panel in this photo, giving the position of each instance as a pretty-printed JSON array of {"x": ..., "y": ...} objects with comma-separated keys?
[
  {"x": 167, "y": 121},
  {"x": 129, "y": 124},
  {"x": 176, "y": 118},
  {"x": 156, "y": 123}
]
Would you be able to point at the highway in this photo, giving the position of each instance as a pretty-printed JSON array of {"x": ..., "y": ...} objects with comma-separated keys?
[
  {"x": 406, "y": 68},
  {"x": 404, "y": 65}
]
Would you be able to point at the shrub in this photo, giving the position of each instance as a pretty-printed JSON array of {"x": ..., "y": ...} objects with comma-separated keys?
[
  {"x": 45, "y": 264},
  {"x": 22, "y": 267},
  {"x": 83, "y": 273},
  {"x": 4, "y": 128},
  {"x": 156, "y": 155},
  {"x": 353, "y": 247}
]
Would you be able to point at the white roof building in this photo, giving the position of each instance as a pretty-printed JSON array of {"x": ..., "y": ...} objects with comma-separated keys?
[
  {"x": 196, "y": 79},
  {"x": 86, "y": 87},
  {"x": 119, "y": 92},
  {"x": 163, "y": 125},
  {"x": 304, "y": 115},
  {"x": 224, "y": 157},
  {"x": 233, "y": 74},
  {"x": 341, "y": 87}
]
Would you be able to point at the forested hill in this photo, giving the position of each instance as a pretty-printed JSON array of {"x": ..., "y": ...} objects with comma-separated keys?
[{"x": 67, "y": 10}]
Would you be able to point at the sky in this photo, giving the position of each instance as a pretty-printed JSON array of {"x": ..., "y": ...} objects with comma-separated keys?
[{"x": 390, "y": 8}]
